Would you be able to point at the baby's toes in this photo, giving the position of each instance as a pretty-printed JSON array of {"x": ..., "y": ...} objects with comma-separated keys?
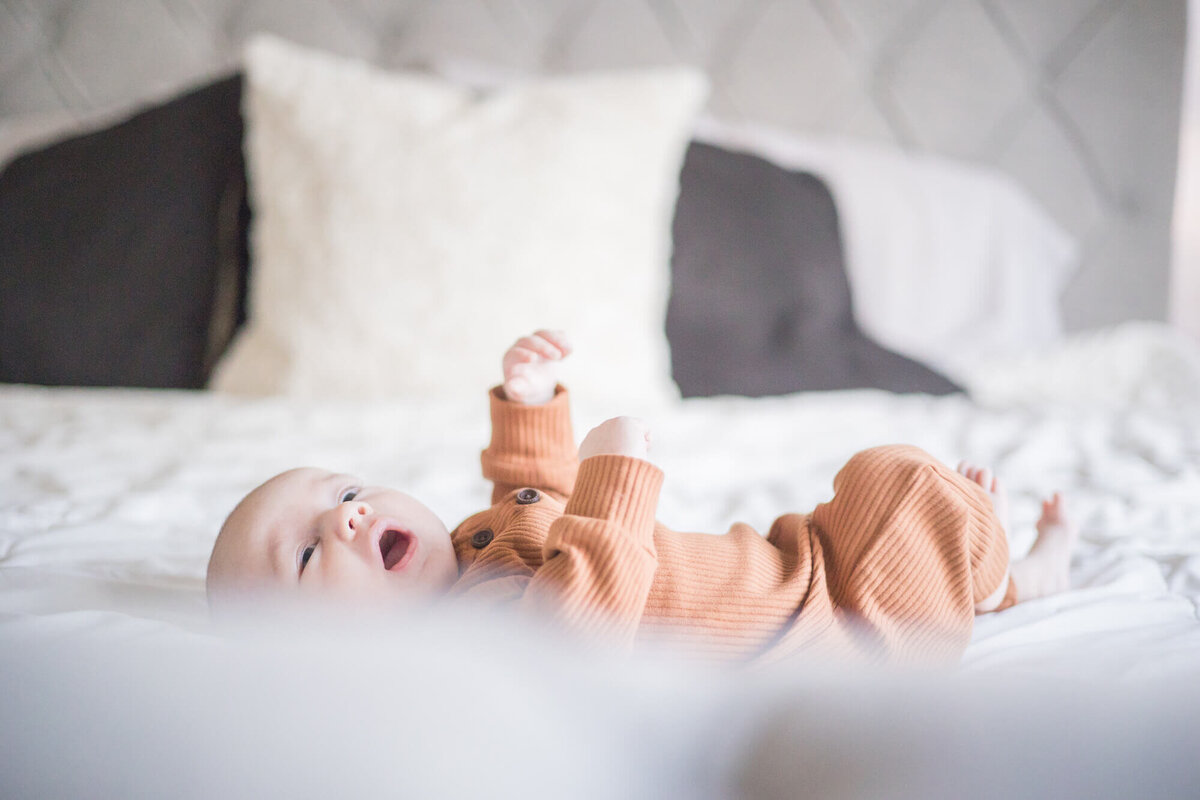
[
  {"x": 975, "y": 474},
  {"x": 1054, "y": 509}
]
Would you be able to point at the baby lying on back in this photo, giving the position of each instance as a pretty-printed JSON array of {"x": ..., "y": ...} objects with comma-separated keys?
[{"x": 896, "y": 564}]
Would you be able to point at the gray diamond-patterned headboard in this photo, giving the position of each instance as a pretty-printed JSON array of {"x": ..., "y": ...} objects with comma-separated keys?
[{"x": 1077, "y": 99}]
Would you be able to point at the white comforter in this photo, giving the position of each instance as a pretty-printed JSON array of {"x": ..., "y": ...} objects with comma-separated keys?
[{"x": 109, "y": 501}]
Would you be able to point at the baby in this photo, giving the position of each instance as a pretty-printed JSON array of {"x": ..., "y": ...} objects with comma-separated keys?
[{"x": 896, "y": 564}]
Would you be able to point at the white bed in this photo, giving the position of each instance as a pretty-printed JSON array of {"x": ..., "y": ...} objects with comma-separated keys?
[{"x": 111, "y": 499}]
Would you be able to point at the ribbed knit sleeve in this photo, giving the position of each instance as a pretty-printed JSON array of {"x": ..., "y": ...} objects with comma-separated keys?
[
  {"x": 599, "y": 558},
  {"x": 532, "y": 445}
]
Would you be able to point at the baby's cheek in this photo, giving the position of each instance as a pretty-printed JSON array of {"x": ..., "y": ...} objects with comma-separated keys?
[{"x": 352, "y": 581}]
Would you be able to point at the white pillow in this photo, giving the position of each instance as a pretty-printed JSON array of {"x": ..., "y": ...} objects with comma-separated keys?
[
  {"x": 948, "y": 262},
  {"x": 407, "y": 230}
]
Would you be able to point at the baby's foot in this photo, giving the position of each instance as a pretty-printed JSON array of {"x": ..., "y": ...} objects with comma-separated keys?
[
  {"x": 992, "y": 485},
  {"x": 1046, "y": 570}
]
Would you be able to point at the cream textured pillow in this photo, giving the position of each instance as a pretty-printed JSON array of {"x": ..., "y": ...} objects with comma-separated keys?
[{"x": 407, "y": 229}]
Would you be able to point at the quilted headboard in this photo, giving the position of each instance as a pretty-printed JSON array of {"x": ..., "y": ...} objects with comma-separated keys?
[{"x": 1078, "y": 100}]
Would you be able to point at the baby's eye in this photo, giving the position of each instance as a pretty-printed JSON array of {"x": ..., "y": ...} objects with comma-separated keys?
[
  {"x": 305, "y": 555},
  {"x": 349, "y": 495}
]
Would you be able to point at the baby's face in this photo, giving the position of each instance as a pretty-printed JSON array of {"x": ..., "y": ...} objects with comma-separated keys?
[{"x": 309, "y": 530}]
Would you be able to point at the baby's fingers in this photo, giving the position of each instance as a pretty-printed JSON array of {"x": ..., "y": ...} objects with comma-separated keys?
[
  {"x": 519, "y": 388},
  {"x": 544, "y": 344},
  {"x": 519, "y": 355},
  {"x": 557, "y": 339},
  {"x": 626, "y": 436}
]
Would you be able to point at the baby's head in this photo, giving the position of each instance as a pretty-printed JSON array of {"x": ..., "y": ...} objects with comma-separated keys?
[{"x": 313, "y": 531}]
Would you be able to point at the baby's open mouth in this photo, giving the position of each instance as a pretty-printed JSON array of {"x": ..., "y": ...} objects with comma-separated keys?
[{"x": 395, "y": 547}]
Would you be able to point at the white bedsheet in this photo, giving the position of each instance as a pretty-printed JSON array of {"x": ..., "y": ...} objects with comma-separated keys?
[{"x": 109, "y": 501}]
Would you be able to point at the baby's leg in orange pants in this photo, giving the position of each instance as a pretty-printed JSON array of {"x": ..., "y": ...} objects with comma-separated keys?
[{"x": 909, "y": 546}]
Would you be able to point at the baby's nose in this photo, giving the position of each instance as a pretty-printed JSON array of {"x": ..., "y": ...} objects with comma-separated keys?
[{"x": 352, "y": 519}]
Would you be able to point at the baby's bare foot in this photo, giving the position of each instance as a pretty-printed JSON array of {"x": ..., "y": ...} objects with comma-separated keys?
[
  {"x": 992, "y": 485},
  {"x": 1046, "y": 570}
]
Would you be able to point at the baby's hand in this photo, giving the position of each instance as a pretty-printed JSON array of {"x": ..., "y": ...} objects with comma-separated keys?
[
  {"x": 531, "y": 367},
  {"x": 619, "y": 436}
]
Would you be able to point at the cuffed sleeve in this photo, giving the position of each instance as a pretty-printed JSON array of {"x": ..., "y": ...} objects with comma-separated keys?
[
  {"x": 620, "y": 490},
  {"x": 532, "y": 445},
  {"x": 599, "y": 559}
]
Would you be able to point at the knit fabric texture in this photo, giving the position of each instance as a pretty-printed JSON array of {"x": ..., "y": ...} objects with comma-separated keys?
[{"x": 890, "y": 568}]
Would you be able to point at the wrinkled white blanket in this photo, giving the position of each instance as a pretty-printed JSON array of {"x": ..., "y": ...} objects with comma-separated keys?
[{"x": 109, "y": 499}]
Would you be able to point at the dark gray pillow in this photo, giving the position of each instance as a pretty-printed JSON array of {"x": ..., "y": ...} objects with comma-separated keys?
[
  {"x": 760, "y": 303},
  {"x": 123, "y": 252}
]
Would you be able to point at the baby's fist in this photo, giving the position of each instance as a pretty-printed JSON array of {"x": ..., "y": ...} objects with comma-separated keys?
[
  {"x": 531, "y": 367},
  {"x": 619, "y": 436}
]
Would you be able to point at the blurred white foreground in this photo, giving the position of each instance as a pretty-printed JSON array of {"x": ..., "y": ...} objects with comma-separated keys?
[{"x": 472, "y": 706}]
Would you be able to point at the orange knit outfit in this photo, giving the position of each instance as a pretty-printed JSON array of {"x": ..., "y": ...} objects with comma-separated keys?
[{"x": 891, "y": 567}]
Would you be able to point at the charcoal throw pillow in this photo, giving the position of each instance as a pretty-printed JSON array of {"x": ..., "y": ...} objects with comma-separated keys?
[
  {"x": 760, "y": 301},
  {"x": 122, "y": 251}
]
